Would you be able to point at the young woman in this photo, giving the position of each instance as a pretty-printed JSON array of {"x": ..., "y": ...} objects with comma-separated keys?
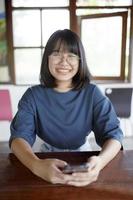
[{"x": 62, "y": 111}]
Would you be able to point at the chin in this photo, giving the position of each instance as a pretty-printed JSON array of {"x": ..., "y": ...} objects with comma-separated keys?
[{"x": 63, "y": 78}]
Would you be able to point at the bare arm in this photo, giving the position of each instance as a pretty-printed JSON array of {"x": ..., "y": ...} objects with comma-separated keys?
[
  {"x": 24, "y": 152},
  {"x": 109, "y": 151},
  {"x": 47, "y": 169}
]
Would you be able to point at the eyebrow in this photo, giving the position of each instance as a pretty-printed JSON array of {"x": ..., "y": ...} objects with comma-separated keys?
[{"x": 56, "y": 50}]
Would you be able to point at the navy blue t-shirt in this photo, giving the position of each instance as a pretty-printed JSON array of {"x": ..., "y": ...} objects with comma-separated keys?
[{"x": 64, "y": 119}]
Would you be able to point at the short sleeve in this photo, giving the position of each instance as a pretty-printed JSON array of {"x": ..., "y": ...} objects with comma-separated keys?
[
  {"x": 105, "y": 122},
  {"x": 23, "y": 124}
]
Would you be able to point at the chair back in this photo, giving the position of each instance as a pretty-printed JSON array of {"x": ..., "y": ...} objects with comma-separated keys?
[
  {"x": 121, "y": 99},
  {"x": 5, "y": 106}
]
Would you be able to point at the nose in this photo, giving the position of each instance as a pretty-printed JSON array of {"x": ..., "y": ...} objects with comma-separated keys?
[{"x": 64, "y": 59}]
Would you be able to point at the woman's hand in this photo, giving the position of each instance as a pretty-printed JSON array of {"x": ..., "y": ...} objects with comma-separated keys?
[
  {"x": 109, "y": 150},
  {"x": 85, "y": 178},
  {"x": 50, "y": 170}
]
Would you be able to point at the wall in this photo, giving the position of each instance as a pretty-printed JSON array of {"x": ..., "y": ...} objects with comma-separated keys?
[{"x": 15, "y": 92}]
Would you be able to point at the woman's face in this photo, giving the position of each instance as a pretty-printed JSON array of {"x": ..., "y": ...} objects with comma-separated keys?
[{"x": 63, "y": 65}]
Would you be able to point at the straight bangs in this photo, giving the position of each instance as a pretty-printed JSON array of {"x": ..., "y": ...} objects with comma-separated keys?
[{"x": 67, "y": 44}]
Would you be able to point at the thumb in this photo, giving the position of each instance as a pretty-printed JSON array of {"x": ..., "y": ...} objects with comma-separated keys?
[
  {"x": 60, "y": 163},
  {"x": 91, "y": 163}
]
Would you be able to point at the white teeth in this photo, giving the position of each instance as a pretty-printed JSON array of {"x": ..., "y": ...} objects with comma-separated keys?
[{"x": 63, "y": 70}]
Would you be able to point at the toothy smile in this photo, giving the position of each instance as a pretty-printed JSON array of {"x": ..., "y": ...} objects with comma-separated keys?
[{"x": 61, "y": 70}]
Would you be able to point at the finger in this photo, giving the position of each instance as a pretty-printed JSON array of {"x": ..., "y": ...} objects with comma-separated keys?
[
  {"x": 68, "y": 178},
  {"x": 59, "y": 177},
  {"x": 60, "y": 163},
  {"x": 91, "y": 165},
  {"x": 84, "y": 178},
  {"x": 76, "y": 178},
  {"x": 82, "y": 182},
  {"x": 78, "y": 184},
  {"x": 56, "y": 180}
]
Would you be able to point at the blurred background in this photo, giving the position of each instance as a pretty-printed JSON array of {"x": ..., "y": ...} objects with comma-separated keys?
[{"x": 106, "y": 30}]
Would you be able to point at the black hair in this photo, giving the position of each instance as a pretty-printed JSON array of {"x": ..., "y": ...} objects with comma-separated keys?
[{"x": 74, "y": 45}]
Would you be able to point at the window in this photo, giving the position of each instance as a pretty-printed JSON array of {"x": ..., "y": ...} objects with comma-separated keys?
[
  {"x": 106, "y": 25},
  {"x": 105, "y": 28},
  {"x": 32, "y": 24},
  {"x": 104, "y": 39}
]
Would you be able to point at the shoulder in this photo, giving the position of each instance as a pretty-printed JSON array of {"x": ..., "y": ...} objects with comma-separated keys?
[
  {"x": 32, "y": 92},
  {"x": 94, "y": 92},
  {"x": 32, "y": 96},
  {"x": 93, "y": 88},
  {"x": 37, "y": 88}
]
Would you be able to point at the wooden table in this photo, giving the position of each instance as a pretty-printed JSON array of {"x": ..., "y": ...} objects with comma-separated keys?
[{"x": 115, "y": 180}]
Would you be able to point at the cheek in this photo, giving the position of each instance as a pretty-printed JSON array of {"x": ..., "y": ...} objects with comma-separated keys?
[
  {"x": 76, "y": 69},
  {"x": 49, "y": 63},
  {"x": 51, "y": 66}
]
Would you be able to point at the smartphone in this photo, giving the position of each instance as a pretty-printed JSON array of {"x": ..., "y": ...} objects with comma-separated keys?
[{"x": 70, "y": 168}]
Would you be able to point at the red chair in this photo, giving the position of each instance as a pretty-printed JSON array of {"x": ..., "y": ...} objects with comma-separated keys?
[{"x": 5, "y": 106}]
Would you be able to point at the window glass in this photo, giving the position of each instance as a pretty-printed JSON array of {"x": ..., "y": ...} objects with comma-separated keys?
[
  {"x": 26, "y": 28},
  {"x": 53, "y": 20},
  {"x": 27, "y": 66},
  {"x": 103, "y": 45},
  {"x": 39, "y": 3},
  {"x": 103, "y": 2},
  {"x": 96, "y": 11}
]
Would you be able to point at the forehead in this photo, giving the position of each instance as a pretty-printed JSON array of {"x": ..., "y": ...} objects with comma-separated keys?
[
  {"x": 61, "y": 46},
  {"x": 66, "y": 45}
]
